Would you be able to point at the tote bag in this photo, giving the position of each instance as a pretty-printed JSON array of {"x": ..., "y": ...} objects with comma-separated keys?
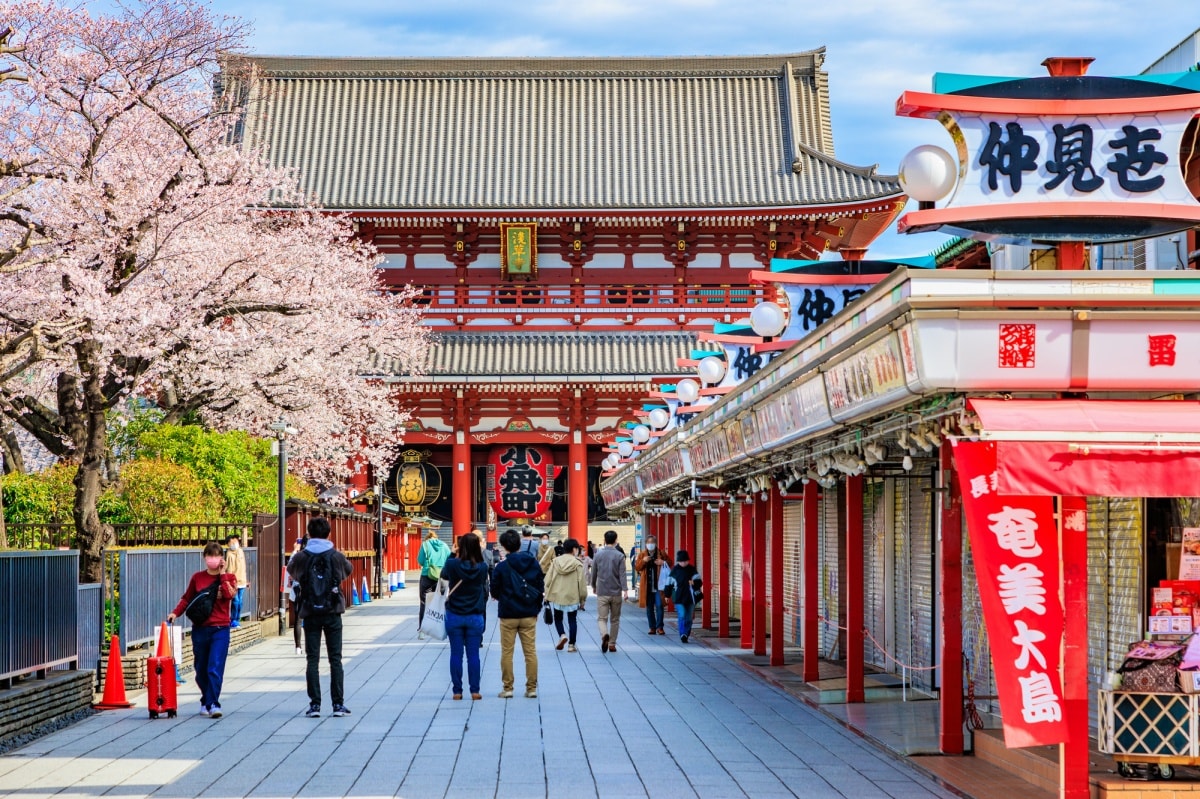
[{"x": 435, "y": 611}]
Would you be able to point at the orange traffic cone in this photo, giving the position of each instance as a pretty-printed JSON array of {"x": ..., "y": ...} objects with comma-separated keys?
[
  {"x": 164, "y": 642},
  {"x": 114, "y": 681}
]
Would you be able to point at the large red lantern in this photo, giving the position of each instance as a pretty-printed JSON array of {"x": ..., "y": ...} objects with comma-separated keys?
[{"x": 520, "y": 481}]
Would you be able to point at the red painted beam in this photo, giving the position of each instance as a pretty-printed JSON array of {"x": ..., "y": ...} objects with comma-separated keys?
[
  {"x": 762, "y": 508},
  {"x": 777, "y": 596},
  {"x": 855, "y": 593},
  {"x": 747, "y": 616},
  {"x": 810, "y": 566},
  {"x": 704, "y": 556},
  {"x": 950, "y": 549},
  {"x": 724, "y": 570}
]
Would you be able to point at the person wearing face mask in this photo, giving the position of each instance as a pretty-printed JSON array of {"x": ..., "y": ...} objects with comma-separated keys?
[
  {"x": 650, "y": 561},
  {"x": 210, "y": 640}
]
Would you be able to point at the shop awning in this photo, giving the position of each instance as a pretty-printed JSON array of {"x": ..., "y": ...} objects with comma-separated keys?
[{"x": 1109, "y": 448}]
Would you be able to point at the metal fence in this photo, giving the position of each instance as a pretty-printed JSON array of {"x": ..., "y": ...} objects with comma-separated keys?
[
  {"x": 58, "y": 536},
  {"x": 144, "y": 585},
  {"x": 89, "y": 637},
  {"x": 39, "y": 598}
]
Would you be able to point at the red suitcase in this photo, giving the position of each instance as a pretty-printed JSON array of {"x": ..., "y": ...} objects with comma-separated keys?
[{"x": 160, "y": 687}]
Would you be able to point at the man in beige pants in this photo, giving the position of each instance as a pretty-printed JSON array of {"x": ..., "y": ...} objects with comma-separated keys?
[{"x": 608, "y": 584}]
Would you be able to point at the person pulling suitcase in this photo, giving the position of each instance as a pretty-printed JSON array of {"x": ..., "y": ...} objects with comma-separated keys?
[{"x": 206, "y": 603}]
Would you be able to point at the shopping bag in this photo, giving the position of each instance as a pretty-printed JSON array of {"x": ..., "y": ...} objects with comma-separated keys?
[
  {"x": 435, "y": 612},
  {"x": 1151, "y": 668},
  {"x": 547, "y": 614}
]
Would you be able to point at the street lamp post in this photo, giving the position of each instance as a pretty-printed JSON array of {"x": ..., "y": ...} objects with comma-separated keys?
[
  {"x": 379, "y": 539},
  {"x": 282, "y": 430}
]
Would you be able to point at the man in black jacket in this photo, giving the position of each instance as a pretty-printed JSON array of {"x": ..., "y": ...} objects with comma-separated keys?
[
  {"x": 517, "y": 586},
  {"x": 322, "y": 615}
]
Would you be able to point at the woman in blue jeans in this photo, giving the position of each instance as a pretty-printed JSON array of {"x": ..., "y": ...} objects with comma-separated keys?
[
  {"x": 210, "y": 640},
  {"x": 468, "y": 578}
]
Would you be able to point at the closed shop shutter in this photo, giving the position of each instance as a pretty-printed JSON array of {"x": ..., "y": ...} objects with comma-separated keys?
[
  {"x": 874, "y": 565},
  {"x": 975, "y": 640},
  {"x": 1114, "y": 586},
  {"x": 830, "y": 575},
  {"x": 914, "y": 595},
  {"x": 793, "y": 594},
  {"x": 735, "y": 560}
]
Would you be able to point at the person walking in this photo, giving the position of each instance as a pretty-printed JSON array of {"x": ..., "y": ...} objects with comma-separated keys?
[
  {"x": 649, "y": 563},
  {"x": 294, "y": 597},
  {"x": 235, "y": 564},
  {"x": 633, "y": 572},
  {"x": 608, "y": 584},
  {"x": 466, "y": 603},
  {"x": 517, "y": 587},
  {"x": 684, "y": 581},
  {"x": 566, "y": 591},
  {"x": 210, "y": 638},
  {"x": 431, "y": 558},
  {"x": 321, "y": 569},
  {"x": 529, "y": 544}
]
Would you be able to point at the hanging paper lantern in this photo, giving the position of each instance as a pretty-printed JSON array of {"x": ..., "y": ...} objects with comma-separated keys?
[
  {"x": 659, "y": 418},
  {"x": 711, "y": 369},
  {"x": 640, "y": 433},
  {"x": 418, "y": 484},
  {"x": 688, "y": 391},
  {"x": 520, "y": 481}
]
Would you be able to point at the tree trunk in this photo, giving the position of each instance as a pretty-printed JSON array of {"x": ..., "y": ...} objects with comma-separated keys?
[{"x": 92, "y": 536}]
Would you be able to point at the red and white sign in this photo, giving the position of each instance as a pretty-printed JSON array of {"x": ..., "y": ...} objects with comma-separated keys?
[
  {"x": 1014, "y": 541},
  {"x": 520, "y": 481}
]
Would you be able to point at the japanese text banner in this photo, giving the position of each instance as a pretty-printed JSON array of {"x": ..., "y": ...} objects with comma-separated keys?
[{"x": 1014, "y": 545}]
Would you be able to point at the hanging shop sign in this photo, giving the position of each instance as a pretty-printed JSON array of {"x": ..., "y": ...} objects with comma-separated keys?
[
  {"x": 520, "y": 481},
  {"x": 518, "y": 250},
  {"x": 1014, "y": 545},
  {"x": 1067, "y": 157}
]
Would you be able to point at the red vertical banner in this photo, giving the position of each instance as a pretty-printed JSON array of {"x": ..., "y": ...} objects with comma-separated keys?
[{"x": 1014, "y": 541}]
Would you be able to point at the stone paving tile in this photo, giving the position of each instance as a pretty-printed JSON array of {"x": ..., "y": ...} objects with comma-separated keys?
[{"x": 657, "y": 719}]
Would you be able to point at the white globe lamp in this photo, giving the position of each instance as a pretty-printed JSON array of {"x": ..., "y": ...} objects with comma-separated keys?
[
  {"x": 659, "y": 418},
  {"x": 711, "y": 370},
  {"x": 624, "y": 449},
  {"x": 640, "y": 433},
  {"x": 927, "y": 173},
  {"x": 767, "y": 320},
  {"x": 688, "y": 391}
]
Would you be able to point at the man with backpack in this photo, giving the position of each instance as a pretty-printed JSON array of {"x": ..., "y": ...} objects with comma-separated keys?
[
  {"x": 320, "y": 569},
  {"x": 517, "y": 586},
  {"x": 431, "y": 558}
]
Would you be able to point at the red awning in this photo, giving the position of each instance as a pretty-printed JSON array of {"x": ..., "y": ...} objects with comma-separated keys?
[{"x": 1109, "y": 448}]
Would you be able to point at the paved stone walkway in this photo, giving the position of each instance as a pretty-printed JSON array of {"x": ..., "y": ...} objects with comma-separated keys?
[{"x": 656, "y": 719}]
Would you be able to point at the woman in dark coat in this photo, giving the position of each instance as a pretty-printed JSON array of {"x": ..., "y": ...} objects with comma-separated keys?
[{"x": 466, "y": 604}]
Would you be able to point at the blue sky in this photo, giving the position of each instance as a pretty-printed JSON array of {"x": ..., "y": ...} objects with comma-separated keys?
[{"x": 875, "y": 49}]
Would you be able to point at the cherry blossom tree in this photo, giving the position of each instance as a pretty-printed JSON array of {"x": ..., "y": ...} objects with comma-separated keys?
[{"x": 144, "y": 253}]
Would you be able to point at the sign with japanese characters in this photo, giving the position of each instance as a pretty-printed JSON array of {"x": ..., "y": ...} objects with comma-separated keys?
[
  {"x": 866, "y": 379},
  {"x": 1014, "y": 545},
  {"x": 520, "y": 481},
  {"x": 1065, "y": 157},
  {"x": 518, "y": 250},
  {"x": 813, "y": 304}
]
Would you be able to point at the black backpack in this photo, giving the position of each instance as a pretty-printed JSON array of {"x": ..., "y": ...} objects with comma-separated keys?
[
  {"x": 320, "y": 585},
  {"x": 522, "y": 590},
  {"x": 202, "y": 604}
]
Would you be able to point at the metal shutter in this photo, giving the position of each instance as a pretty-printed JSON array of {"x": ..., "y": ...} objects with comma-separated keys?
[
  {"x": 975, "y": 640},
  {"x": 914, "y": 595},
  {"x": 735, "y": 560},
  {"x": 1114, "y": 586},
  {"x": 829, "y": 606},
  {"x": 875, "y": 539},
  {"x": 793, "y": 582}
]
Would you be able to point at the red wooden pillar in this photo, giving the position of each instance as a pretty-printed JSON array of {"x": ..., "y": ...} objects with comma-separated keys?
[
  {"x": 762, "y": 508},
  {"x": 577, "y": 489},
  {"x": 777, "y": 602},
  {"x": 855, "y": 592},
  {"x": 747, "y": 618},
  {"x": 950, "y": 708},
  {"x": 810, "y": 621},
  {"x": 724, "y": 571},
  {"x": 461, "y": 513},
  {"x": 704, "y": 544},
  {"x": 689, "y": 533},
  {"x": 1073, "y": 756}
]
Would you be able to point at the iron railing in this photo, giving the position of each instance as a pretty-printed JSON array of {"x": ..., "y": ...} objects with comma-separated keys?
[
  {"x": 60, "y": 536},
  {"x": 89, "y": 637},
  {"x": 39, "y": 598}
]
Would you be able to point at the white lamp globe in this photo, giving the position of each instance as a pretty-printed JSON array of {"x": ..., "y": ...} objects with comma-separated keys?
[
  {"x": 641, "y": 434},
  {"x": 927, "y": 173},
  {"x": 767, "y": 320},
  {"x": 659, "y": 418},
  {"x": 711, "y": 369},
  {"x": 687, "y": 390},
  {"x": 609, "y": 464},
  {"x": 625, "y": 449}
]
